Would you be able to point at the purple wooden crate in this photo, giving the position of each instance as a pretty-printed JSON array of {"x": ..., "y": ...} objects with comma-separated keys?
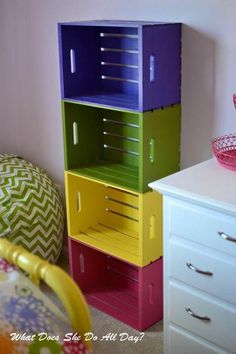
[
  {"x": 123, "y": 64},
  {"x": 133, "y": 295}
]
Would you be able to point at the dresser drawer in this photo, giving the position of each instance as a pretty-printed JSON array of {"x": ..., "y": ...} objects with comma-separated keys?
[
  {"x": 204, "y": 269},
  {"x": 203, "y": 225},
  {"x": 182, "y": 342},
  {"x": 218, "y": 319}
]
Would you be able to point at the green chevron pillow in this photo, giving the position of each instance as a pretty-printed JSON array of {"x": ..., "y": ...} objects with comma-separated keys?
[{"x": 31, "y": 211}]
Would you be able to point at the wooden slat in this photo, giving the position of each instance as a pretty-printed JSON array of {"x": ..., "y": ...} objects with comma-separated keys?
[
  {"x": 127, "y": 170},
  {"x": 125, "y": 197},
  {"x": 120, "y": 249},
  {"x": 112, "y": 219},
  {"x": 129, "y": 232},
  {"x": 125, "y": 299},
  {"x": 122, "y": 209},
  {"x": 122, "y": 230},
  {"x": 110, "y": 299},
  {"x": 115, "y": 240},
  {"x": 121, "y": 142},
  {"x": 122, "y": 157},
  {"x": 117, "y": 235},
  {"x": 124, "y": 130},
  {"x": 111, "y": 174}
]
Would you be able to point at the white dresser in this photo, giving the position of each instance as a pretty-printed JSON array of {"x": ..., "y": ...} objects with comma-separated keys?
[{"x": 199, "y": 260}]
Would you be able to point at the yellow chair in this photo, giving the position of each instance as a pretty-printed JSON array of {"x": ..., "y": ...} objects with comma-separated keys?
[{"x": 57, "y": 279}]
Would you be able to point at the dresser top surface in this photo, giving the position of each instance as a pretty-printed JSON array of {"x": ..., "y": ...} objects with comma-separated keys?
[{"x": 207, "y": 183}]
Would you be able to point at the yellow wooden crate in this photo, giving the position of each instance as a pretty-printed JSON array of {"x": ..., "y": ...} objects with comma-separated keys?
[{"x": 124, "y": 224}]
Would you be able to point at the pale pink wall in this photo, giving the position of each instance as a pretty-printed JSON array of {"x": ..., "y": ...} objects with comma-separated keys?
[{"x": 30, "y": 118}]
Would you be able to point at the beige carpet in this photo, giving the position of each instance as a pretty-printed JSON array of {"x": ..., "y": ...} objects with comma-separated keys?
[{"x": 150, "y": 343}]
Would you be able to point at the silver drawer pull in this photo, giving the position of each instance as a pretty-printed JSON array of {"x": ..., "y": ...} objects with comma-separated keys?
[
  {"x": 191, "y": 313},
  {"x": 197, "y": 270},
  {"x": 226, "y": 237}
]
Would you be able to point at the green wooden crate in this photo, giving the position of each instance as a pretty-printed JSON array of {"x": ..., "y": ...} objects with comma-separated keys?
[{"x": 121, "y": 147}]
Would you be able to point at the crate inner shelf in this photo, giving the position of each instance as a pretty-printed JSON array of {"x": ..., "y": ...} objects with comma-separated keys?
[
  {"x": 103, "y": 144},
  {"x": 117, "y": 241},
  {"x": 113, "y": 286},
  {"x": 114, "y": 220},
  {"x": 100, "y": 64},
  {"x": 128, "y": 292},
  {"x": 115, "y": 173},
  {"x": 125, "y": 148}
]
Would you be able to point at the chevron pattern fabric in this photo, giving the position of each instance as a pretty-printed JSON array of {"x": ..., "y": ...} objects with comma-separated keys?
[{"x": 31, "y": 211}]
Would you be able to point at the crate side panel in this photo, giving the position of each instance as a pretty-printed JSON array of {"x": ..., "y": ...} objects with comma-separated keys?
[
  {"x": 87, "y": 266},
  {"x": 151, "y": 294},
  {"x": 59, "y": 30},
  {"x": 66, "y": 135},
  {"x": 161, "y": 87},
  {"x": 151, "y": 229},
  {"x": 85, "y": 43},
  {"x": 89, "y": 145},
  {"x": 85, "y": 203},
  {"x": 161, "y": 143}
]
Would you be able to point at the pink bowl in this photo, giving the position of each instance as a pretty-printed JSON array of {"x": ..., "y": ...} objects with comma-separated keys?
[{"x": 224, "y": 148}]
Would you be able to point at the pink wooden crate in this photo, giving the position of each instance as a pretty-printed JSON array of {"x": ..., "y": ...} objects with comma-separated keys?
[{"x": 132, "y": 294}]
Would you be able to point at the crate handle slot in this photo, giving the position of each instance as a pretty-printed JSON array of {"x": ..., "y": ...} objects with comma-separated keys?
[
  {"x": 72, "y": 61},
  {"x": 152, "y": 150},
  {"x": 78, "y": 202},
  {"x": 75, "y": 134},
  {"x": 152, "y": 229},
  {"x": 151, "y": 286},
  {"x": 81, "y": 263},
  {"x": 152, "y": 68}
]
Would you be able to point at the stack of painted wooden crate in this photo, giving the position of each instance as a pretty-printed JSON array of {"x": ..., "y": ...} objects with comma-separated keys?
[{"x": 120, "y": 86}]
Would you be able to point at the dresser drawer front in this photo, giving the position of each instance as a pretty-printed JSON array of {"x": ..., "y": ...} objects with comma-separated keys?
[
  {"x": 202, "y": 225},
  {"x": 221, "y": 327},
  {"x": 182, "y": 342},
  {"x": 204, "y": 270}
]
